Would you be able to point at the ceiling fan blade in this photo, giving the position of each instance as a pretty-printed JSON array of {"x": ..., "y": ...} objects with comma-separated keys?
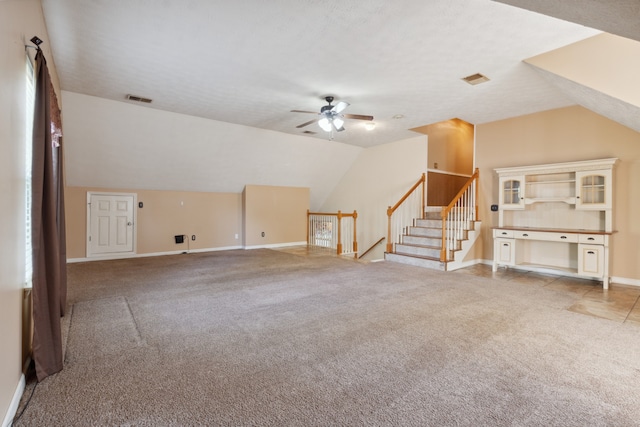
[
  {"x": 302, "y": 111},
  {"x": 357, "y": 117},
  {"x": 306, "y": 123},
  {"x": 341, "y": 105},
  {"x": 340, "y": 129}
]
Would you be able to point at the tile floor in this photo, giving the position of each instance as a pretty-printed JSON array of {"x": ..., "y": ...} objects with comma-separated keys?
[{"x": 620, "y": 303}]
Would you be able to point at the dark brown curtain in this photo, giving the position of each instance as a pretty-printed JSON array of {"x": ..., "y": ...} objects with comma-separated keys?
[{"x": 48, "y": 232}]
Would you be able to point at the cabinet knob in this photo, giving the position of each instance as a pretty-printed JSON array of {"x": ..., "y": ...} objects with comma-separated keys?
[
  {"x": 590, "y": 252},
  {"x": 590, "y": 238},
  {"x": 525, "y": 235},
  {"x": 505, "y": 244},
  {"x": 563, "y": 237},
  {"x": 504, "y": 233}
]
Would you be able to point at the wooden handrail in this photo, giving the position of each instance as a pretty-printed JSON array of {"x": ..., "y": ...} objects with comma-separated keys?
[
  {"x": 445, "y": 212},
  {"x": 354, "y": 214},
  {"x": 372, "y": 246},
  {"x": 464, "y": 188},
  {"x": 391, "y": 210}
]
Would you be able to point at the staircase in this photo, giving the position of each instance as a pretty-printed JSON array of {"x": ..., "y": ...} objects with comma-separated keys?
[{"x": 421, "y": 243}]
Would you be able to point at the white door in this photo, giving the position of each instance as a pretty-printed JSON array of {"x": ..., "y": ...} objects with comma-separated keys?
[{"x": 110, "y": 224}]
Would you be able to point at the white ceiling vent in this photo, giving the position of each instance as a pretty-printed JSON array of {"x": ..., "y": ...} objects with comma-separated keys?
[
  {"x": 476, "y": 79},
  {"x": 138, "y": 99}
]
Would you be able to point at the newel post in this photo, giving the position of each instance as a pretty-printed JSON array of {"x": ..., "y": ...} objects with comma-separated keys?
[
  {"x": 339, "y": 245},
  {"x": 389, "y": 243},
  {"x": 355, "y": 239},
  {"x": 308, "y": 225},
  {"x": 476, "y": 190},
  {"x": 424, "y": 180}
]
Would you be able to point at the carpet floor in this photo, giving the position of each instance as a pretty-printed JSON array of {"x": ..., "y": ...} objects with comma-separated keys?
[{"x": 266, "y": 338}]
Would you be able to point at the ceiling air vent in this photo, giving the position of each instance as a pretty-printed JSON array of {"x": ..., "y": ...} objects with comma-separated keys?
[
  {"x": 308, "y": 132},
  {"x": 476, "y": 79},
  {"x": 138, "y": 99}
]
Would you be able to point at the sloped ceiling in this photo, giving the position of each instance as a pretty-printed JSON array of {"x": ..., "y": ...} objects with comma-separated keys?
[
  {"x": 599, "y": 73},
  {"x": 620, "y": 17},
  {"x": 251, "y": 62}
]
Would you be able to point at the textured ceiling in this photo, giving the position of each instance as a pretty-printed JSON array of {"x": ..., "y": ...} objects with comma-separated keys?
[
  {"x": 620, "y": 17},
  {"x": 251, "y": 62}
]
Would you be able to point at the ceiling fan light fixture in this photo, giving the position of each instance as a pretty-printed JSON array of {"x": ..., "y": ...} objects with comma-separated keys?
[
  {"x": 338, "y": 122},
  {"x": 324, "y": 124},
  {"x": 370, "y": 126}
]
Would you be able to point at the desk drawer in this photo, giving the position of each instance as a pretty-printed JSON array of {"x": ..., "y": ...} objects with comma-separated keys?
[
  {"x": 594, "y": 239},
  {"x": 502, "y": 233},
  {"x": 547, "y": 236}
]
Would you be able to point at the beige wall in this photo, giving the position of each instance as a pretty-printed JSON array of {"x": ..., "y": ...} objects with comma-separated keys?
[
  {"x": 563, "y": 135},
  {"x": 279, "y": 212},
  {"x": 450, "y": 146},
  {"x": 214, "y": 218},
  {"x": 19, "y": 21},
  {"x": 377, "y": 180}
]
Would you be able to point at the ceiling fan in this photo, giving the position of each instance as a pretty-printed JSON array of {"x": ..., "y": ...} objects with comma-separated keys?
[{"x": 331, "y": 117}]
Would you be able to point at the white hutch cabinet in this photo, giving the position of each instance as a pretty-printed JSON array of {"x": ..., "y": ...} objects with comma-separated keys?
[{"x": 556, "y": 216}]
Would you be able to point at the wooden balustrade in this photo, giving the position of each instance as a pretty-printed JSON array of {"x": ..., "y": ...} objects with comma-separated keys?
[
  {"x": 390, "y": 211},
  {"x": 325, "y": 229},
  {"x": 458, "y": 214}
]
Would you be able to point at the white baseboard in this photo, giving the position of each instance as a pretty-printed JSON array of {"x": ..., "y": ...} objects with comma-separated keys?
[
  {"x": 625, "y": 281},
  {"x": 277, "y": 245},
  {"x": 15, "y": 402},
  {"x": 150, "y": 254}
]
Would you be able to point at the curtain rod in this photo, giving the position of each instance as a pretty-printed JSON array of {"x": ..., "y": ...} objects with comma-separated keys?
[{"x": 35, "y": 40}]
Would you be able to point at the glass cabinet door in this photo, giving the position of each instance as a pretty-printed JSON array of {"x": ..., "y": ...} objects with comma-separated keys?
[
  {"x": 512, "y": 192},
  {"x": 592, "y": 191}
]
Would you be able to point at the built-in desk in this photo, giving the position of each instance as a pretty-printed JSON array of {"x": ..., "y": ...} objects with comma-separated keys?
[{"x": 583, "y": 253}]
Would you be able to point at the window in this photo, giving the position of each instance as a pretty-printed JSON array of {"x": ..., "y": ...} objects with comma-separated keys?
[{"x": 29, "y": 106}]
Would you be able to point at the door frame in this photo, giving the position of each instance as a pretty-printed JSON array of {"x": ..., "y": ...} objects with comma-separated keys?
[{"x": 88, "y": 223}]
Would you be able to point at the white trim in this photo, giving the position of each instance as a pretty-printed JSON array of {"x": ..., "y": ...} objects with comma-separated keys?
[
  {"x": 15, "y": 402},
  {"x": 625, "y": 281},
  {"x": 558, "y": 167},
  {"x": 277, "y": 245},
  {"x": 465, "y": 264},
  {"x": 135, "y": 220},
  {"x": 440, "y": 171},
  {"x": 108, "y": 257}
]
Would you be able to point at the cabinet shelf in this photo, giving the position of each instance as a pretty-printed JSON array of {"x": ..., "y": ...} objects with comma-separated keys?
[
  {"x": 567, "y": 200},
  {"x": 557, "y": 181},
  {"x": 532, "y": 265}
]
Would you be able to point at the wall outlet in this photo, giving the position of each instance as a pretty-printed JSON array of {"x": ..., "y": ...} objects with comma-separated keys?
[{"x": 263, "y": 234}]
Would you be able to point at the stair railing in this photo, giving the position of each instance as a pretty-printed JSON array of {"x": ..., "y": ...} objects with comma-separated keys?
[
  {"x": 457, "y": 217},
  {"x": 372, "y": 246},
  {"x": 333, "y": 230},
  {"x": 409, "y": 207}
]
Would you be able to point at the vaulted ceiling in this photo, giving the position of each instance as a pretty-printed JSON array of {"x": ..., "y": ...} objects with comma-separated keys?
[{"x": 251, "y": 62}]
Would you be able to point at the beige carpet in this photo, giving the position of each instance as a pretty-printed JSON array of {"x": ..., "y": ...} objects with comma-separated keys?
[{"x": 269, "y": 338}]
